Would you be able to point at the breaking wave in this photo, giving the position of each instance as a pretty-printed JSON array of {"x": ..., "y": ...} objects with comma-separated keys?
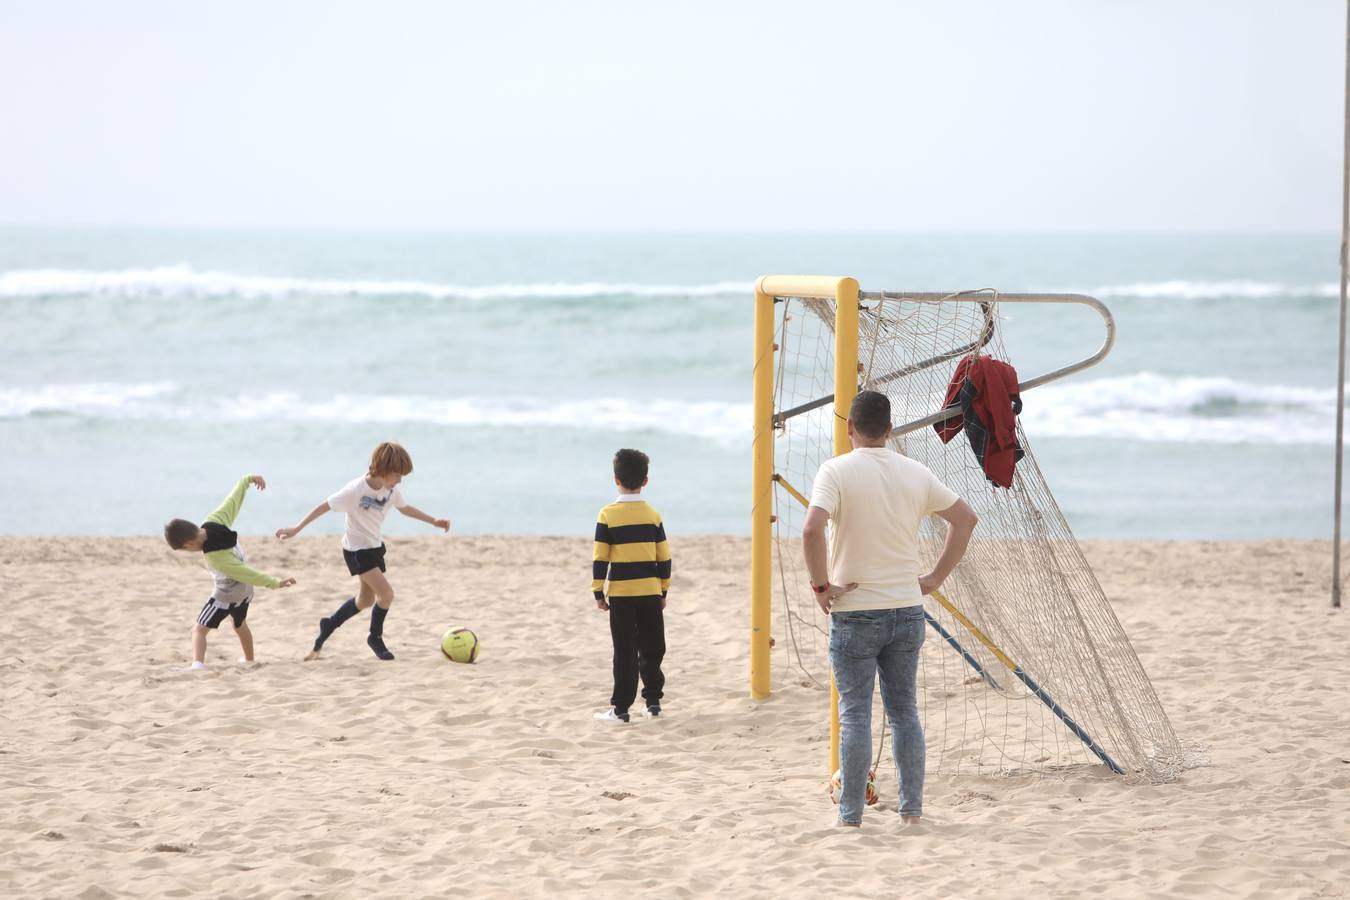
[{"x": 1139, "y": 407}]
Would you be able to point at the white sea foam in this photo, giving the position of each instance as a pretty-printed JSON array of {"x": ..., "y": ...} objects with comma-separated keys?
[
  {"x": 1151, "y": 407},
  {"x": 1213, "y": 290},
  {"x": 703, "y": 419},
  {"x": 713, "y": 420},
  {"x": 185, "y": 282},
  {"x": 111, "y": 401},
  {"x": 1140, "y": 407}
]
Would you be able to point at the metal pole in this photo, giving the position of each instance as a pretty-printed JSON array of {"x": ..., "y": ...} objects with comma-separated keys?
[
  {"x": 1022, "y": 676},
  {"x": 1340, "y": 360}
]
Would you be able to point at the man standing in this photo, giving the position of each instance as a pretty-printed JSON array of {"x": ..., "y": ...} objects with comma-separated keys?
[{"x": 872, "y": 588}]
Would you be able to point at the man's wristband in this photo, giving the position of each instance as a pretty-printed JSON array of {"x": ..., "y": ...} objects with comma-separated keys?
[{"x": 820, "y": 588}]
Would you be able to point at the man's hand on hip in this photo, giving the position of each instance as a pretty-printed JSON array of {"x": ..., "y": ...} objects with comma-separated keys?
[{"x": 832, "y": 593}]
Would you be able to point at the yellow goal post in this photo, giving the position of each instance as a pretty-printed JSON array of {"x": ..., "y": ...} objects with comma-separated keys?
[{"x": 844, "y": 292}]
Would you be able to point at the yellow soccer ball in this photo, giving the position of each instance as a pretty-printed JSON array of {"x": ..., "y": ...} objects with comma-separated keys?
[
  {"x": 460, "y": 645},
  {"x": 836, "y": 785}
]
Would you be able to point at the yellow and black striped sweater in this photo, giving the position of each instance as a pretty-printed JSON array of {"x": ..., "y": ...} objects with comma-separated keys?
[{"x": 630, "y": 551}]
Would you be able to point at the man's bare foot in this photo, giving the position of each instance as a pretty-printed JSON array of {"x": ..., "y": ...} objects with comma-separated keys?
[
  {"x": 311, "y": 656},
  {"x": 910, "y": 820},
  {"x": 840, "y": 823}
]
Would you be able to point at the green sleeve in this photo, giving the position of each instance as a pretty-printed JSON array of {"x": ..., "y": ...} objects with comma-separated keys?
[
  {"x": 225, "y": 562},
  {"x": 229, "y": 507}
]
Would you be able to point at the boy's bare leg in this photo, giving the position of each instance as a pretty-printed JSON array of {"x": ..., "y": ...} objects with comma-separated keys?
[
  {"x": 245, "y": 636},
  {"x": 366, "y": 595},
  {"x": 199, "y": 645},
  {"x": 375, "y": 581}
]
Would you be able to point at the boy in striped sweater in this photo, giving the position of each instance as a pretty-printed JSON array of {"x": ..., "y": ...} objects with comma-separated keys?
[{"x": 631, "y": 552}]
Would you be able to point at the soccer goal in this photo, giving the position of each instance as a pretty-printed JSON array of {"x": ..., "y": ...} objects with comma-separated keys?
[{"x": 1026, "y": 667}]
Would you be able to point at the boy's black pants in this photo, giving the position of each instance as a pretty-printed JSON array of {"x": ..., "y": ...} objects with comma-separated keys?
[{"x": 638, "y": 628}]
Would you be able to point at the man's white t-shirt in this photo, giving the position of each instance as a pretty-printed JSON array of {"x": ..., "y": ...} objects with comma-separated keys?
[
  {"x": 365, "y": 508},
  {"x": 877, "y": 499}
]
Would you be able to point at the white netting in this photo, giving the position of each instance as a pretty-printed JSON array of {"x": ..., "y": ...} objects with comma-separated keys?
[{"x": 1024, "y": 581}]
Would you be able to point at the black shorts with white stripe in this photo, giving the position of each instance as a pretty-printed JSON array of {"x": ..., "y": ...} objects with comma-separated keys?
[{"x": 212, "y": 615}]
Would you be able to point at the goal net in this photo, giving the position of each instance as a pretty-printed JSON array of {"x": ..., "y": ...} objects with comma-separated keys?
[{"x": 1026, "y": 667}]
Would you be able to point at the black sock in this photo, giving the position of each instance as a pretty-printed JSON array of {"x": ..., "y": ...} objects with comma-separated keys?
[
  {"x": 376, "y": 639},
  {"x": 377, "y": 614},
  {"x": 330, "y": 624}
]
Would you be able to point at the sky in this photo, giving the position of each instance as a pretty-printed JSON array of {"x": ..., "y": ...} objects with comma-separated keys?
[{"x": 1150, "y": 115}]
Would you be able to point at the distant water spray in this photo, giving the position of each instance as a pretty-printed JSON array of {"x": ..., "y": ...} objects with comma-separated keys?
[{"x": 186, "y": 282}]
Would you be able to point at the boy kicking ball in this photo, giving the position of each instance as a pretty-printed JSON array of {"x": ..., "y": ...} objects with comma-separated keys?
[
  {"x": 366, "y": 501},
  {"x": 234, "y": 578}
]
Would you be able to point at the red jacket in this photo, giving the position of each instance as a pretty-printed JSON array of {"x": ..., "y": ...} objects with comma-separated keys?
[{"x": 995, "y": 403}]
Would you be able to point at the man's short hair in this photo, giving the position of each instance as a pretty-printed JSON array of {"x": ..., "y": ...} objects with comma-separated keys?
[
  {"x": 630, "y": 467},
  {"x": 179, "y": 531},
  {"x": 871, "y": 414}
]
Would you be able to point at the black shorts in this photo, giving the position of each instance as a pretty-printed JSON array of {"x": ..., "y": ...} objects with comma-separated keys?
[
  {"x": 359, "y": 561},
  {"x": 211, "y": 615}
]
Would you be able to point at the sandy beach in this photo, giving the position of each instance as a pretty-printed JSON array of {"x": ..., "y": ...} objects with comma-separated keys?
[{"x": 123, "y": 775}]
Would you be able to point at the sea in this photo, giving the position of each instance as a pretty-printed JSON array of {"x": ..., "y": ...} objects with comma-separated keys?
[{"x": 144, "y": 371}]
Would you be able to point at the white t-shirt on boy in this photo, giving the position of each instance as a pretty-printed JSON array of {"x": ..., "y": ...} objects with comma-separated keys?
[{"x": 365, "y": 508}]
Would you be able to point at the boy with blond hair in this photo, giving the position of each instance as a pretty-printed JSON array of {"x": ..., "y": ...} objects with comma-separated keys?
[
  {"x": 632, "y": 554},
  {"x": 234, "y": 579},
  {"x": 366, "y": 501}
]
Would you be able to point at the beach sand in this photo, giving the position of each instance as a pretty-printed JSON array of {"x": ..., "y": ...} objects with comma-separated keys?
[{"x": 122, "y": 775}]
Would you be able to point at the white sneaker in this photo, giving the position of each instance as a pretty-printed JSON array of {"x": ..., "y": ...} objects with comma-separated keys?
[
  {"x": 196, "y": 664},
  {"x": 652, "y": 712},
  {"x": 610, "y": 715}
]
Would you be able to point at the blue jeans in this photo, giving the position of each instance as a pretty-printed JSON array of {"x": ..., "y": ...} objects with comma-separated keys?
[{"x": 861, "y": 643}]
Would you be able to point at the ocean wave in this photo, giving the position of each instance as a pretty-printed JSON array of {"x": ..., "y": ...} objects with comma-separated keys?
[
  {"x": 1186, "y": 409},
  {"x": 115, "y": 401},
  {"x": 1212, "y": 290},
  {"x": 1140, "y": 407},
  {"x": 185, "y": 282},
  {"x": 704, "y": 419},
  {"x": 162, "y": 401}
]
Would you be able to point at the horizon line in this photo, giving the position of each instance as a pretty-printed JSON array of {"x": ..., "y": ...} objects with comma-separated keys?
[{"x": 683, "y": 229}]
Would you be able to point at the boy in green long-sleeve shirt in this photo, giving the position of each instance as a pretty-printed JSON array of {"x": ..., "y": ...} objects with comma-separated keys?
[{"x": 233, "y": 576}]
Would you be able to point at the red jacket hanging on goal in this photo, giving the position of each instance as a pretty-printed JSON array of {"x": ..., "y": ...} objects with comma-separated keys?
[{"x": 988, "y": 393}]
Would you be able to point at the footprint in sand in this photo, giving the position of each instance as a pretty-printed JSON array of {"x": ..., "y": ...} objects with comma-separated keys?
[{"x": 171, "y": 848}]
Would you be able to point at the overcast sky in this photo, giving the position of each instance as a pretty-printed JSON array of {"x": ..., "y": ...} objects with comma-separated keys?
[{"x": 1035, "y": 115}]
